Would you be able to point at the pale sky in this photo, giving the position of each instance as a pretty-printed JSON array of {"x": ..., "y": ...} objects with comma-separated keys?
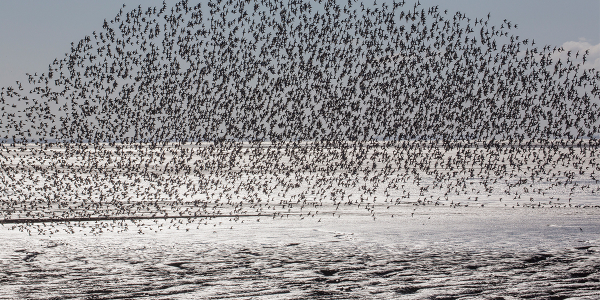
[{"x": 35, "y": 32}]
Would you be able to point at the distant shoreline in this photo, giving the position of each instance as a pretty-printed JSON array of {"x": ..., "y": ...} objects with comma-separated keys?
[{"x": 122, "y": 218}]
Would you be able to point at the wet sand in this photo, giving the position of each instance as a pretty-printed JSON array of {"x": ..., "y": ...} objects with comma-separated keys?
[{"x": 439, "y": 253}]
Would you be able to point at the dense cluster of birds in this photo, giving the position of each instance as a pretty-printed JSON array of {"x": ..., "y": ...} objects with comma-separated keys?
[
  {"x": 240, "y": 108},
  {"x": 185, "y": 186},
  {"x": 305, "y": 70}
]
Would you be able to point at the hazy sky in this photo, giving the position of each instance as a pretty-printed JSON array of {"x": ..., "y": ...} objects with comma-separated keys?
[{"x": 34, "y": 32}]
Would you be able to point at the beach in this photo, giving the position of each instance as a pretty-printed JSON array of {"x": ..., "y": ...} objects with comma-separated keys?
[
  {"x": 439, "y": 253},
  {"x": 122, "y": 223}
]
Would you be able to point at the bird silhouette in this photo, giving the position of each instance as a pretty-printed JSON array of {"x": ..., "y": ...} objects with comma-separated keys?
[{"x": 248, "y": 108}]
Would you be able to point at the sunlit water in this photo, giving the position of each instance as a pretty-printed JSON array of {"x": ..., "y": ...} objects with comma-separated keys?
[{"x": 470, "y": 244}]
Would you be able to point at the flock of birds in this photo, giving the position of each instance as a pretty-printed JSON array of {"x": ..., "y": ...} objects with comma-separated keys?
[{"x": 302, "y": 108}]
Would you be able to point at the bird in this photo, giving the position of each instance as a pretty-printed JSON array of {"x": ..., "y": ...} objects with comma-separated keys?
[{"x": 247, "y": 110}]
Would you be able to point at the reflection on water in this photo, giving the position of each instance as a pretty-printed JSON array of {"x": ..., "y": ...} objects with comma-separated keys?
[{"x": 82, "y": 182}]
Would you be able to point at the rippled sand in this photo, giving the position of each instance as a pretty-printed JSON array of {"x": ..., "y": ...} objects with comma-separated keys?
[{"x": 437, "y": 253}]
